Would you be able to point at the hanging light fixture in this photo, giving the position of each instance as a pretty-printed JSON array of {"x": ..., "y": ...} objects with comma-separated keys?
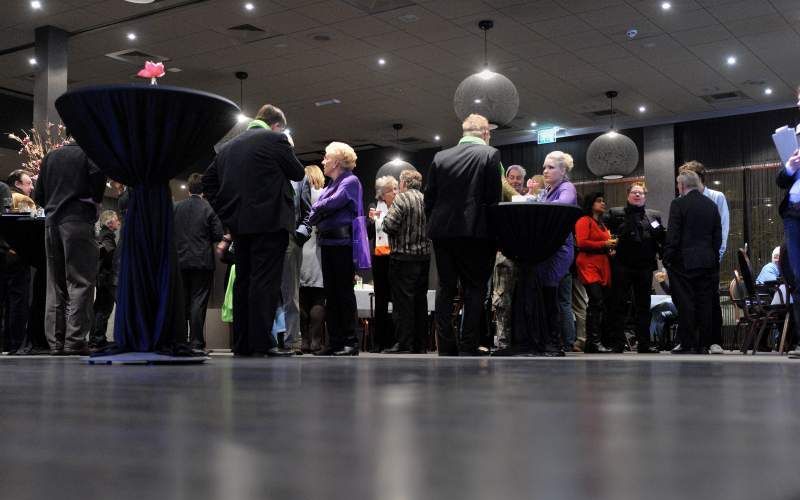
[
  {"x": 396, "y": 165},
  {"x": 612, "y": 155},
  {"x": 242, "y": 120},
  {"x": 487, "y": 93}
]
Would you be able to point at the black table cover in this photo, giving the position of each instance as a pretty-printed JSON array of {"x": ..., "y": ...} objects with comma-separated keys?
[
  {"x": 531, "y": 232},
  {"x": 142, "y": 136}
]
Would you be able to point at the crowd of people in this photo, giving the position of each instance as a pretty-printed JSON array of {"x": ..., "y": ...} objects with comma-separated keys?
[{"x": 293, "y": 245}]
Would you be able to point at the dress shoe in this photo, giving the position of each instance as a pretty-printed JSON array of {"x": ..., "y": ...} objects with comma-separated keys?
[
  {"x": 648, "y": 350},
  {"x": 80, "y": 351},
  {"x": 716, "y": 349},
  {"x": 396, "y": 349},
  {"x": 595, "y": 348},
  {"x": 528, "y": 354},
  {"x": 277, "y": 352},
  {"x": 347, "y": 351},
  {"x": 56, "y": 352},
  {"x": 554, "y": 354},
  {"x": 683, "y": 350}
]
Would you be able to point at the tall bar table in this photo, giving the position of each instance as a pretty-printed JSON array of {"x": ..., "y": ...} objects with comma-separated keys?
[
  {"x": 530, "y": 233},
  {"x": 143, "y": 136}
]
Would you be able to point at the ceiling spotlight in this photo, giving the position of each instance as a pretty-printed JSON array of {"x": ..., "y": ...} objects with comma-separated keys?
[
  {"x": 533, "y": 124},
  {"x": 241, "y": 118},
  {"x": 131, "y": 36},
  {"x": 437, "y": 138},
  {"x": 612, "y": 133},
  {"x": 768, "y": 91},
  {"x": 486, "y": 74},
  {"x": 36, "y": 5},
  {"x": 666, "y": 5},
  {"x": 397, "y": 161},
  {"x": 731, "y": 60},
  {"x": 32, "y": 61},
  {"x": 477, "y": 101},
  {"x": 183, "y": 186},
  {"x": 249, "y": 6},
  {"x": 382, "y": 61},
  {"x": 642, "y": 109}
]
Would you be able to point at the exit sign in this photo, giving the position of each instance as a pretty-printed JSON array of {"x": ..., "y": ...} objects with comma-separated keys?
[{"x": 547, "y": 135}]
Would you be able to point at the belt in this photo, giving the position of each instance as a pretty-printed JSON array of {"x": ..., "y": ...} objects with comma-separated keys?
[{"x": 338, "y": 233}]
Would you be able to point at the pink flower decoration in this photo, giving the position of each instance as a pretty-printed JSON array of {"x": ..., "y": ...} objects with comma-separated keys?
[{"x": 152, "y": 71}]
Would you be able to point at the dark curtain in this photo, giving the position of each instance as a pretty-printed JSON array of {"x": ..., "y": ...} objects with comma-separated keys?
[{"x": 142, "y": 136}]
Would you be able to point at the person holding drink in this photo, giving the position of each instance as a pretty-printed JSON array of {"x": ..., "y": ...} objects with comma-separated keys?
[{"x": 595, "y": 245}]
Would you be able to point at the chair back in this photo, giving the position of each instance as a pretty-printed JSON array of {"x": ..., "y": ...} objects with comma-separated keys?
[{"x": 746, "y": 271}]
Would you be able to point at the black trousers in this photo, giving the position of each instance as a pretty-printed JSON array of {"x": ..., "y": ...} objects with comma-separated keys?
[
  {"x": 257, "y": 290},
  {"x": 597, "y": 322},
  {"x": 468, "y": 261},
  {"x": 103, "y": 305},
  {"x": 410, "y": 301},
  {"x": 692, "y": 293},
  {"x": 340, "y": 299},
  {"x": 197, "y": 285},
  {"x": 17, "y": 311},
  {"x": 312, "y": 317},
  {"x": 716, "y": 314},
  {"x": 384, "y": 327},
  {"x": 627, "y": 280}
]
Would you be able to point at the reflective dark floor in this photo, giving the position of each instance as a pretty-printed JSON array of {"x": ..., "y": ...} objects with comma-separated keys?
[{"x": 615, "y": 427}]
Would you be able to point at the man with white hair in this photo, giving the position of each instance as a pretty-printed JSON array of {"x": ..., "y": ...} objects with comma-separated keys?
[
  {"x": 515, "y": 175},
  {"x": 463, "y": 182},
  {"x": 691, "y": 256},
  {"x": 772, "y": 270}
]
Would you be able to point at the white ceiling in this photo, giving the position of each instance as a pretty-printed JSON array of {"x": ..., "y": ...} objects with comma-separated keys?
[{"x": 562, "y": 56}]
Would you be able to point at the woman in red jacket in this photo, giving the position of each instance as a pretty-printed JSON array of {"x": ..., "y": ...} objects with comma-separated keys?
[{"x": 594, "y": 268}]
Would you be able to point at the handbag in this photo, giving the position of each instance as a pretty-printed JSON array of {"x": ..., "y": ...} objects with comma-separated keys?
[{"x": 362, "y": 258}]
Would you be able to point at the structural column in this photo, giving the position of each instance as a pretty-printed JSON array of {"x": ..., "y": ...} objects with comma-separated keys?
[
  {"x": 659, "y": 167},
  {"x": 51, "y": 75}
]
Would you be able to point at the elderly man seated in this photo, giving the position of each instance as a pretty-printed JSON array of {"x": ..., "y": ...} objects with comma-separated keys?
[{"x": 771, "y": 271}]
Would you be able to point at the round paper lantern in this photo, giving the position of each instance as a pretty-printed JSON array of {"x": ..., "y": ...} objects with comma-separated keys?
[
  {"x": 394, "y": 168},
  {"x": 488, "y": 94},
  {"x": 612, "y": 156}
]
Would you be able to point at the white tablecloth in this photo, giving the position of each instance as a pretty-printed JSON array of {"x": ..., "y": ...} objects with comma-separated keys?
[{"x": 363, "y": 297}]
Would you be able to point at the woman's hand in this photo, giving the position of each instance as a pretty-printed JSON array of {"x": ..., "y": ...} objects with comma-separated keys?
[
  {"x": 661, "y": 276},
  {"x": 611, "y": 243},
  {"x": 373, "y": 214}
]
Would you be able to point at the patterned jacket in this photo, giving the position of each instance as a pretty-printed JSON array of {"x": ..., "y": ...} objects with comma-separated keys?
[{"x": 405, "y": 224}]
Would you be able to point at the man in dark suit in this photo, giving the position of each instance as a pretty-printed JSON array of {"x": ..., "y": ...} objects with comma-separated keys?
[
  {"x": 197, "y": 230},
  {"x": 106, "y": 278},
  {"x": 248, "y": 186},
  {"x": 640, "y": 237},
  {"x": 463, "y": 182},
  {"x": 691, "y": 256},
  {"x": 70, "y": 188}
]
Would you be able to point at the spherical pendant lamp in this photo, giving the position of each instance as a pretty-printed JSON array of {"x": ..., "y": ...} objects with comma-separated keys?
[
  {"x": 395, "y": 166},
  {"x": 612, "y": 155},
  {"x": 487, "y": 93}
]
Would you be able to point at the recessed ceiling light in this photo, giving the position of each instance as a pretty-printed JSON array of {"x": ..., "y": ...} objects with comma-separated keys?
[
  {"x": 183, "y": 186},
  {"x": 731, "y": 60},
  {"x": 642, "y": 109},
  {"x": 131, "y": 36},
  {"x": 477, "y": 101},
  {"x": 32, "y": 61},
  {"x": 381, "y": 61},
  {"x": 249, "y": 6},
  {"x": 241, "y": 118},
  {"x": 437, "y": 138},
  {"x": 717, "y": 183},
  {"x": 533, "y": 124},
  {"x": 666, "y": 5},
  {"x": 768, "y": 91},
  {"x": 36, "y": 5}
]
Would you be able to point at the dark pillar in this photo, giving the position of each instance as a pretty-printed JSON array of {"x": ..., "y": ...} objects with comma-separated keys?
[
  {"x": 51, "y": 75},
  {"x": 659, "y": 167}
]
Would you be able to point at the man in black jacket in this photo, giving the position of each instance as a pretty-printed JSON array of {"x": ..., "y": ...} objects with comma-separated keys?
[
  {"x": 248, "y": 186},
  {"x": 197, "y": 230},
  {"x": 70, "y": 188},
  {"x": 640, "y": 236},
  {"x": 106, "y": 278},
  {"x": 463, "y": 182},
  {"x": 691, "y": 256}
]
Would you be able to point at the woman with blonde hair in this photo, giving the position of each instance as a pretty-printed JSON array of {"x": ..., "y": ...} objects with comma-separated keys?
[{"x": 333, "y": 215}]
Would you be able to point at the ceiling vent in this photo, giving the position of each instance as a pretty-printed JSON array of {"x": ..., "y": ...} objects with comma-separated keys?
[
  {"x": 603, "y": 113},
  {"x": 377, "y": 6},
  {"x": 724, "y": 97},
  {"x": 327, "y": 102},
  {"x": 136, "y": 57}
]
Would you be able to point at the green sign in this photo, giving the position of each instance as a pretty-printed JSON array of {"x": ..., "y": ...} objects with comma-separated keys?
[{"x": 547, "y": 135}]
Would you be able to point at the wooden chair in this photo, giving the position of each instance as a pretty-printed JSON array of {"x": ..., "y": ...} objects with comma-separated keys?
[{"x": 763, "y": 315}]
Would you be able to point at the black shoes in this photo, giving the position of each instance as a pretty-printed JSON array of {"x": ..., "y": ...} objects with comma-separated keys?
[
  {"x": 596, "y": 348},
  {"x": 679, "y": 349},
  {"x": 396, "y": 349},
  {"x": 648, "y": 350},
  {"x": 347, "y": 351},
  {"x": 277, "y": 352}
]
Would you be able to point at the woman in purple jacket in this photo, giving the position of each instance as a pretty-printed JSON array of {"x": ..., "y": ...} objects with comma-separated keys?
[
  {"x": 558, "y": 189},
  {"x": 333, "y": 214}
]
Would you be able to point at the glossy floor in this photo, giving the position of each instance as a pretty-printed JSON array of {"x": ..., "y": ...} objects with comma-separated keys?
[{"x": 615, "y": 427}]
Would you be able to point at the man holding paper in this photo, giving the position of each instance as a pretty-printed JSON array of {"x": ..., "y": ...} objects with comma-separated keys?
[{"x": 789, "y": 209}]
